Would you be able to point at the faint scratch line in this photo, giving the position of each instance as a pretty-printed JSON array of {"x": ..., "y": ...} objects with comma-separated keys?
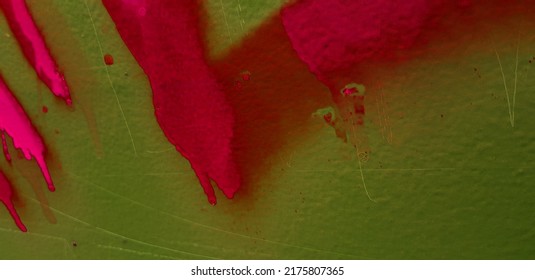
[
  {"x": 239, "y": 16},
  {"x": 210, "y": 227},
  {"x": 45, "y": 236},
  {"x": 360, "y": 164},
  {"x": 122, "y": 236},
  {"x": 226, "y": 22},
  {"x": 134, "y": 252},
  {"x": 516, "y": 80},
  {"x": 505, "y": 87},
  {"x": 109, "y": 77}
]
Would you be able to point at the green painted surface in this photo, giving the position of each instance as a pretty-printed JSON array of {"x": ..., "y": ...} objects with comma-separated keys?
[{"x": 451, "y": 177}]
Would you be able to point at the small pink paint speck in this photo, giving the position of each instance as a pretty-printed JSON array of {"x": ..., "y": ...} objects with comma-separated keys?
[{"x": 45, "y": 109}]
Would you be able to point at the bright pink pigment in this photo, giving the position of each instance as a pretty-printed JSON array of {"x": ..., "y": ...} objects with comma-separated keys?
[
  {"x": 6, "y": 196},
  {"x": 190, "y": 107},
  {"x": 34, "y": 47},
  {"x": 15, "y": 123}
]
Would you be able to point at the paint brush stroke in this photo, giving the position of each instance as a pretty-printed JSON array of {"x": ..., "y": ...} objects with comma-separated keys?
[
  {"x": 6, "y": 197},
  {"x": 15, "y": 123},
  {"x": 34, "y": 47},
  {"x": 190, "y": 107}
]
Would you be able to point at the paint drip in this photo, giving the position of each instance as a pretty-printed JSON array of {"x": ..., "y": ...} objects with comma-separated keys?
[
  {"x": 15, "y": 123},
  {"x": 190, "y": 107},
  {"x": 6, "y": 197},
  {"x": 34, "y": 47}
]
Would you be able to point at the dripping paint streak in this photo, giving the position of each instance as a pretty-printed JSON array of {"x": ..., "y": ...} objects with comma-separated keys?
[
  {"x": 34, "y": 47},
  {"x": 6, "y": 196},
  {"x": 15, "y": 123}
]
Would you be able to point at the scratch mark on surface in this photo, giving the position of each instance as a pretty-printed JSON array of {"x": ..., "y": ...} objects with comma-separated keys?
[
  {"x": 511, "y": 120},
  {"x": 43, "y": 236},
  {"x": 242, "y": 22},
  {"x": 188, "y": 221},
  {"x": 135, "y": 252},
  {"x": 103, "y": 230},
  {"x": 360, "y": 164},
  {"x": 516, "y": 81},
  {"x": 226, "y": 21},
  {"x": 109, "y": 78}
]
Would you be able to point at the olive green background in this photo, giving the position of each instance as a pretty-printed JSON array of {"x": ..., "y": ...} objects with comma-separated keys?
[{"x": 451, "y": 177}]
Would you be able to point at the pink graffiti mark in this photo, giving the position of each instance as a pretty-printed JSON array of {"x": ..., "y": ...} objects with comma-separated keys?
[
  {"x": 6, "y": 197},
  {"x": 190, "y": 107},
  {"x": 15, "y": 123},
  {"x": 34, "y": 47}
]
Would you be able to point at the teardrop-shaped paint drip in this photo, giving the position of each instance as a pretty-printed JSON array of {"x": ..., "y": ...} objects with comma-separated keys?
[
  {"x": 6, "y": 196},
  {"x": 34, "y": 47},
  {"x": 15, "y": 123}
]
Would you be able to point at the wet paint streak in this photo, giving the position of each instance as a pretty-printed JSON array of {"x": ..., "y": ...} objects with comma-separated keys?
[
  {"x": 34, "y": 47},
  {"x": 191, "y": 109},
  {"x": 15, "y": 123},
  {"x": 6, "y": 197}
]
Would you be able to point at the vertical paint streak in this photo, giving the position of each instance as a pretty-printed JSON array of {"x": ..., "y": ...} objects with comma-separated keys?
[
  {"x": 18, "y": 126},
  {"x": 190, "y": 107},
  {"x": 34, "y": 47},
  {"x": 6, "y": 196}
]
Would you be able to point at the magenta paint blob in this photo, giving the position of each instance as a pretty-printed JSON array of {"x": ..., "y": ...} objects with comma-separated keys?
[
  {"x": 190, "y": 107},
  {"x": 6, "y": 197},
  {"x": 15, "y": 123},
  {"x": 34, "y": 47}
]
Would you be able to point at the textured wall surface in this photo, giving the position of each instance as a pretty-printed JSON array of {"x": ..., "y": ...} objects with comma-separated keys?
[{"x": 447, "y": 145}]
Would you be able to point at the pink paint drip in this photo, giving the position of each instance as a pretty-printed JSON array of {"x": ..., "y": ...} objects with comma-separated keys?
[
  {"x": 34, "y": 47},
  {"x": 190, "y": 107},
  {"x": 15, "y": 123},
  {"x": 6, "y": 197}
]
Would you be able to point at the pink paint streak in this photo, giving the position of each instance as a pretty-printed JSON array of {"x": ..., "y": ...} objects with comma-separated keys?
[
  {"x": 15, "y": 123},
  {"x": 6, "y": 197},
  {"x": 190, "y": 107},
  {"x": 34, "y": 47}
]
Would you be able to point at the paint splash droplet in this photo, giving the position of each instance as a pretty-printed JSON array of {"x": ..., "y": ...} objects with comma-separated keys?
[
  {"x": 34, "y": 47},
  {"x": 108, "y": 59},
  {"x": 15, "y": 123},
  {"x": 45, "y": 109},
  {"x": 6, "y": 197}
]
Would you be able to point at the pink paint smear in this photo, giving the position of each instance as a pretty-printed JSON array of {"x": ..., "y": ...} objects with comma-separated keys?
[
  {"x": 6, "y": 196},
  {"x": 190, "y": 106},
  {"x": 34, "y": 48},
  {"x": 15, "y": 123}
]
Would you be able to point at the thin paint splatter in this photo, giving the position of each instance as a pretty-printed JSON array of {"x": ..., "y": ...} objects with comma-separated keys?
[
  {"x": 190, "y": 107},
  {"x": 15, "y": 123},
  {"x": 6, "y": 197},
  {"x": 34, "y": 47}
]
